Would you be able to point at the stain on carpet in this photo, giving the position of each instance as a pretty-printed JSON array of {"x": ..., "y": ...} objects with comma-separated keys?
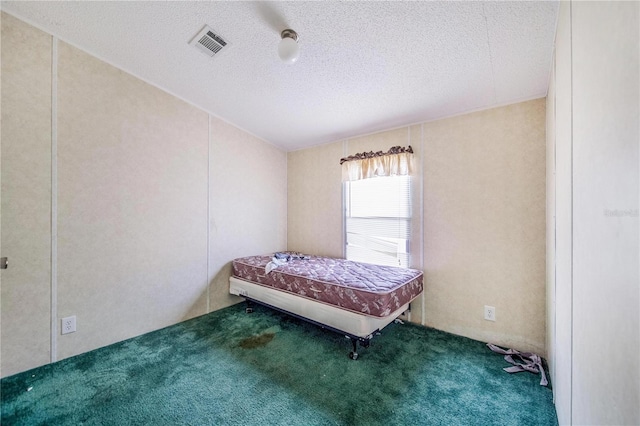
[{"x": 256, "y": 341}]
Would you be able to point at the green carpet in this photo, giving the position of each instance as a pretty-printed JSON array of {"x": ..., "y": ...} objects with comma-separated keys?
[{"x": 265, "y": 368}]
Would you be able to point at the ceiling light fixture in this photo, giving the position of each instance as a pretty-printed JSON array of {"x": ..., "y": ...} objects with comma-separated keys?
[{"x": 288, "y": 49}]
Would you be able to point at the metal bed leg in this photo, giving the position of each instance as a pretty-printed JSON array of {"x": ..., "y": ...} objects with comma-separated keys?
[
  {"x": 249, "y": 308},
  {"x": 353, "y": 354},
  {"x": 364, "y": 342}
]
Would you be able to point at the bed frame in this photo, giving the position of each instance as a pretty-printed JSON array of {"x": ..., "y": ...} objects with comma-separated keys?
[{"x": 356, "y": 327}]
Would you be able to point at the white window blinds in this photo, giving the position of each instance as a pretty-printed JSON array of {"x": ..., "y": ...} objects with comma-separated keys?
[{"x": 378, "y": 220}]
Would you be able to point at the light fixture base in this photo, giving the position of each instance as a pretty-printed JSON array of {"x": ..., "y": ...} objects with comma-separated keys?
[{"x": 290, "y": 34}]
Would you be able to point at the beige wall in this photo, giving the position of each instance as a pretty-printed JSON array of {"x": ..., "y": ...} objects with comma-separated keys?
[
  {"x": 597, "y": 137},
  {"x": 248, "y": 196},
  {"x": 152, "y": 196},
  {"x": 132, "y": 204},
  {"x": 482, "y": 220},
  {"x": 314, "y": 222},
  {"x": 484, "y": 203},
  {"x": 26, "y": 196}
]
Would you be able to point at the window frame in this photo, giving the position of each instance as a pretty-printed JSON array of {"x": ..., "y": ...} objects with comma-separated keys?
[{"x": 381, "y": 220}]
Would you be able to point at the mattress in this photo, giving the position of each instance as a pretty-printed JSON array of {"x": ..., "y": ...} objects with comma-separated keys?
[{"x": 363, "y": 288}]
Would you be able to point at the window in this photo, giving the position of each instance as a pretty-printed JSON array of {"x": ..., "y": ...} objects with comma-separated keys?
[{"x": 378, "y": 220}]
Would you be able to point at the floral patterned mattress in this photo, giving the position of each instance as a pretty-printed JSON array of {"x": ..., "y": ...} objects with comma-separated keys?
[{"x": 360, "y": 287}]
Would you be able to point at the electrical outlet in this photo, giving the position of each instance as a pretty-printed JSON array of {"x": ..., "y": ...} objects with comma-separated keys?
[
  {"x": 489, "y": 313},
  {"x": 69, "y": 325}
]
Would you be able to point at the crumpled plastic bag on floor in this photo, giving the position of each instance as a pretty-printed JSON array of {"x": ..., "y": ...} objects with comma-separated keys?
[{"x": 522, "y": 361}]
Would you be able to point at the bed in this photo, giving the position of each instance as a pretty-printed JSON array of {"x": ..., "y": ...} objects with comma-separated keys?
[{"x": 353, "y": 298}]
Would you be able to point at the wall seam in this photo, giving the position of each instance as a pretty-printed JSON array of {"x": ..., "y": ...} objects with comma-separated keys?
[
  {"x": 424, "y": 310},
  {"x": 208, "y": 213},
  {"x": 571, "y": 211},
  {"x": 345, "y": 149},
  {"x": 286, "y": 181},
  {"x": 555, "y": 223},
  {"x": 411, "y": 254},
  {"x": 54, "y": 200}
]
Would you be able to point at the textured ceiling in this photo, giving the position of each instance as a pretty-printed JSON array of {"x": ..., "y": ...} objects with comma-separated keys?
[{"x": 363, "y": 67}]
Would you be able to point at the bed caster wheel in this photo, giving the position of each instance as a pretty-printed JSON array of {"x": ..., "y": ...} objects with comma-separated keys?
[
  {"x": 353, "y": 355},
  {"x": 248, "y": 310}
]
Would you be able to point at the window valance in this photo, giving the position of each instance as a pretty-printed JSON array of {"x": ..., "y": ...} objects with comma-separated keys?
[{"x": 398, "y": 161}]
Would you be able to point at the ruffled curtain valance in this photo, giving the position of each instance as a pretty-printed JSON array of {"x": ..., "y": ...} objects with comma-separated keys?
[{"x": 398, "y": 161}]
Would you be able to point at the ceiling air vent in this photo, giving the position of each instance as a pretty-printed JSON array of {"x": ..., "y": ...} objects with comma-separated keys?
[{"x": 208, "y": 42}]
